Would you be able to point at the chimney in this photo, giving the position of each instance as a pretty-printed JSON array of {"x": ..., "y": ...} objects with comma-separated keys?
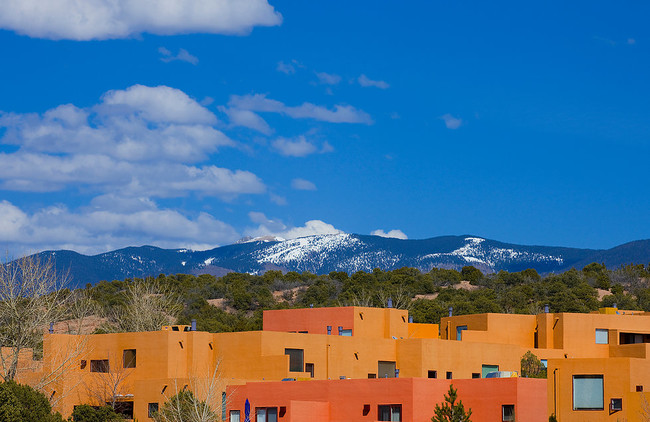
[
  {"x": 311, "y": 305},
  {"x": 451, "y": 310},
  {"x": 615, "y": 305},
  {"x": 329, "y": 330},
  {"x": 546, "y": 309},
  {"x": 410, "y": 319},
  {"x": 396, "y": 373},
  {"x": 193, "y": 325}
]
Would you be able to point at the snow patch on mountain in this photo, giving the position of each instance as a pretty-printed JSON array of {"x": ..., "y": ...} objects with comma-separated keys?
[{"x": 312, "y": 249}]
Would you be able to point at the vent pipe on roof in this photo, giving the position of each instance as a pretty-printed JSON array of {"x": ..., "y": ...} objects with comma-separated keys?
[
  {"x": 546, "y": 309},
  {"x": 329, "y": 330},
  {"x": 615, "y": 305},
  {"x": 396, "y": 373},
  {"x": 311, "y": 305},
  {"x": 451, "y": 310},
  {"x": 340, "y": 330},
  {"x": 193, "y": 325},
  {"x": 51, "y": 328},
  {"x": 390, "y": 302},
  {"x": 410, "y": 319}
]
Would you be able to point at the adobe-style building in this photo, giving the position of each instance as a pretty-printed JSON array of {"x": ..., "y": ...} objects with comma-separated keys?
[{"x": 597, "y": 365}]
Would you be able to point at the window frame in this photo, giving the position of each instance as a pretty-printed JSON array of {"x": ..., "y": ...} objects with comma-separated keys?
[
  {"x": 503, "y": 413},
  {"x": 391, "y": 408},
  {"x": 599, "y": 339},
  {"x": 587, "y": 377},
  {"x": 293, "y": 365}
]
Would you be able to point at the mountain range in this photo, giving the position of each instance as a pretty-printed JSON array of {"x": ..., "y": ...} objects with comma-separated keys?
[{"x": 321, "y": 254}]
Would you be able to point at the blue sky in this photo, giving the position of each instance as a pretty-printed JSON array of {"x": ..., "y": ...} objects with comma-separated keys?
[{"x": 139, "y": 122}]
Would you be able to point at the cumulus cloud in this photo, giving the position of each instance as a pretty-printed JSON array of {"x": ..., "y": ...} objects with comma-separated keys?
[
  {"x": 141, "y": 140},
  {"x": 270, "y": 227},
  {"x": 94, "y": 230},
  {"x": 339, "y": 114},
  {"x": 328, "y": 78},
  {"x": 451, "y": 122},
  {"x": 246, "y": 118},
  {"x": 298, "y": 147},
  {"x": 367, "y": 82},
  {"x": 286, "y": 68},
  {"x": 397, "y": 234},
  {"x": 302, "y": 184},
  {"x": 183, "y": 56},
  {"x": 111, "y": 19}
]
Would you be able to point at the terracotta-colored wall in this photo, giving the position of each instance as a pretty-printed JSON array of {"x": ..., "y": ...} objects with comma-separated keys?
[{"x": 347, "y": 398}]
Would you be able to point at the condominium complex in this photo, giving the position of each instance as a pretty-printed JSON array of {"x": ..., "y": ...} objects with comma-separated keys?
[{"x": 363, "y": 364}]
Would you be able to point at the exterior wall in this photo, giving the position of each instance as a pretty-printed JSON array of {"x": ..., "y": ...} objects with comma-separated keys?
[
  {"x": 347, "y": 399},
  {"x": 423, "y": 330},
  {"x": 364, "y": 322},
  {"x": 621, "y": 376}
]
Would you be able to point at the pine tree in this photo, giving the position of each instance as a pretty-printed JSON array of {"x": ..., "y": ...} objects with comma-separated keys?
[{"x": 450, "y": 411}]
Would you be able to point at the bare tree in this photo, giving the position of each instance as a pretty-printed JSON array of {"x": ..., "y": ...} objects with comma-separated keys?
[
  {"x": 199, "y": 400},
  {"x": 148, "y": 306},
  {"x": 31, "y": 297}
]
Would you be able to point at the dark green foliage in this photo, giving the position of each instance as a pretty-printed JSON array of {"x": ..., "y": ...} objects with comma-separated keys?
[
  {"x": 23, "y": 403},
  {"x": 244, "y": 296},
  {"x": 87, "y": 413},
  {"x": 450, "y": 411},
  {"x": 531, "y": 366}
]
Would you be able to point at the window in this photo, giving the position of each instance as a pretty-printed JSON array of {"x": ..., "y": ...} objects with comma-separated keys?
[
  {"x": 309, "y": 367},
  {"x": 267, "y": 414},
  {"x": 616, "y": 405},
  {"x": 389, "y": 412},
  {"x": 544, "y": 363},
  {"x": 372, "y": 376},
  {"x": 153, "y": 409},
  {"x": 602, "y": 336},
  {"x": 508, "y": 412},
  {"x": 128, "y": 358},
  {"x": 296, "y": 359},
  {"x": 124, "y": 408},
  {"x": 235, "y": 416},
  {"x": 99, "y": 365},
  {"x": 346, "y": 333},
  {"x": 83, "y": 364},
  {"x": 386, "y": 369},
  {"x": 459, "y": 331},
  {"x": 486, "y": 369},
  {"x": 588, "y": 392},
  {"x": 432, "y": 374},
  {"x": 476, "y": 375},
  {"x": 639, "y": 389},
  {"x": 448, "y": 375},
  {"x": 224, "y": 402}
]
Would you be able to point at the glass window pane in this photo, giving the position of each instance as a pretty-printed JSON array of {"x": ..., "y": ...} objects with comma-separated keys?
[
  {"x": 459, "y": 331},
  {"x": 396, "y": 413},
  {"x": 234, "y": 416},
  {"x": 296, "y": 359},
  {"x": 384, "y": 413},
  {"x": 261, "y": 415},
  {"x": 347, "y": 333},
  {"x": 602, "y": 336},
  {"x": 588, "y": 392}
]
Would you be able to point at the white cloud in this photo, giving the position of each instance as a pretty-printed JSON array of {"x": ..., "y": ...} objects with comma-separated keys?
[
  {"x": 94, "y": 230},
  {"x": 183, "y": 56},
  {"x": 138, "y": 141},
  {"x": 397, "y": 234},
  {"x": 246, "y": 118},
  {"x": 367, "y": 82},
  {"x": 298, "y": 147},
  {"x": 286, "y": 68},
  {"x": 328, "y": 78},
  {"x": 340, "y": 113},
  {"x": 110, "y": 19},
  {"x": 451, "y": 122},
  {"x": 268, "y": 227},
  {"x": 302, "y": 184}
]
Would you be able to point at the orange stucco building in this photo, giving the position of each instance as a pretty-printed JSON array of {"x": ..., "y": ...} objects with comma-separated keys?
[{"x": 591, "y": 358}]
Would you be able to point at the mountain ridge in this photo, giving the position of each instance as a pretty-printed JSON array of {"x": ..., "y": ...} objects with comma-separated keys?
[{"x": 321, "y": 254}]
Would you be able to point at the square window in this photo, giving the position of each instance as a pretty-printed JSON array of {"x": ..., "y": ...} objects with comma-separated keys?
[
  {"x": 639, "y": 389},
  {"x": 486, "y": 369},
  {"x": 588, "y": 392},
  {"x": 386, "y": 369},
  {"x": 448, "y": 375},
  {"x": 99, "y": 365},
  {"x": 128, "y": 358},
  {"x": 235, "y": 416},
  {"x": 508, "y": 412},
  {"x": 267, "y": 414},
  {"x": 616, "y": 405},
  {"x": 124, "y": 408},
  {"x": 296, "y": 359},
  {"x": 153, "y": 409},
  {"x": 389, "y": 412},
  {"x": 433, "y": 374},
  {"x": 602, "y": 336}
]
